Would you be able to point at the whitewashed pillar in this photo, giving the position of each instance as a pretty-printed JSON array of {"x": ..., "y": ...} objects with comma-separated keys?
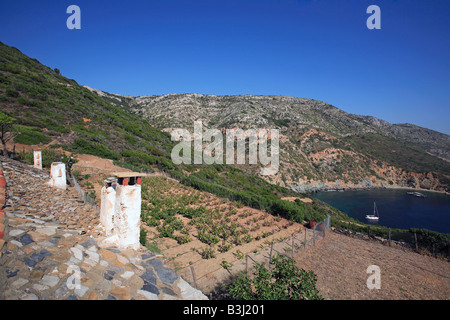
[
  {"x": 126, "y": 225},
  {"x": 127, "y": 216},
  {"x": 58, "y": 175},
  {"x": 107, "y": 205},
  {"x": 37, "y": 155}
]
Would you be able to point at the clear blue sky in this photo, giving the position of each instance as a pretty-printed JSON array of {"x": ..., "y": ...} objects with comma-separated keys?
[{"x": 319, "y": 49}]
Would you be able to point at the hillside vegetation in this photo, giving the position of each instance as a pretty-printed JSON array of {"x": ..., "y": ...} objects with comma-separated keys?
[{"x": 51, "y": 108}]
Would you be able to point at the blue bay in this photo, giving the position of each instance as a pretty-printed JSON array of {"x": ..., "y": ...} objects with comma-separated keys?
[{"x": 396, "y": 208}]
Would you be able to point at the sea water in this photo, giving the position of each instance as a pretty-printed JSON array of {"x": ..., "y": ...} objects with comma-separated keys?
[{"x": 396, "y": 208}]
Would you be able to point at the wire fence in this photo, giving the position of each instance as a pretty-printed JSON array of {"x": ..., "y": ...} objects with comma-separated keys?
[
  {"x": 81, "y": 193},
  {"x": 206, "y": 279},
  {"x": 294, "y": 245},
  {"x": 419, "y": 240}
]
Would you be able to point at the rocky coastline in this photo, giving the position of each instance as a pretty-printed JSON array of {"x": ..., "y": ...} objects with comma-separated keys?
[{"x": 365, "y": 184}]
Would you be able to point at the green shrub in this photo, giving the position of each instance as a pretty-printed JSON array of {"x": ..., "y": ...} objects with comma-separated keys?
[
  {"x": 224, "y": 247},
  {"x": 432, "y": 240},
  {"x": 165, "y": 230},
  {"x": 12, "y": 93},
  {"x": 285, "y": 281},
  {"x": 26, "y": 157},
  {"x": 30, "y": 136},
  {"x": 189, "y": 212},
  {"x": 182, "y": 239},
  {"x": 207, "y": 238},
  {"x": 207, "y": 253},
  {"x": 81, "y": 145},
  {"x": 152, "y": 221},
  {"x": 49, "y": 156},
  {"x": 143, "y": 237}
]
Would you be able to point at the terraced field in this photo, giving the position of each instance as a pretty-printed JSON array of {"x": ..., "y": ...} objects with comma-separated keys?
[{"x": 197, "y": 230}]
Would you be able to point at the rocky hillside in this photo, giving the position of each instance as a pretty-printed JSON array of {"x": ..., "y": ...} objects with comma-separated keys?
[{"x": 321, "y": 146}]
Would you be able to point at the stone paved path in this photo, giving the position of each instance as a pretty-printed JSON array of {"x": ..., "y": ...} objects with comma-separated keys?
[{"x": 49, "y": 249}]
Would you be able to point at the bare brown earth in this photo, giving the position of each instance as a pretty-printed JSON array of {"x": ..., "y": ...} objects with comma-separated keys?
[
  {"x": 86, "y": 161},
  {"x": 340, "y": 263},
  {"x": 292, "y": 199}
]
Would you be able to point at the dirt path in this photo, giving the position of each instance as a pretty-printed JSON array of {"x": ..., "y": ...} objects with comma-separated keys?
[
  {"x": 340, "y": 262},
  {"x": 87, "y": 161}
]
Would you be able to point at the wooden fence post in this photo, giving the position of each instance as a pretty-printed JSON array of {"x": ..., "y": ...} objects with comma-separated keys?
[
  {"x": 415, "y": 238},
  {"x": 270, "y": 255},
  {"x": 389, "y": 237},
  {"x": 246, "y": 265},
  {"x": 292, "y": 246},
  {"x": 304, "y": 244},
  {"x": 193, "y": 277}
]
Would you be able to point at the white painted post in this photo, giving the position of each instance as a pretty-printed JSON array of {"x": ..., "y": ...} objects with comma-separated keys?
[
  {"x": 127, "y": 216},
  {"x": 37, "y": 155},
  {"x": 58, "y": 175},
  {"x": 107, "y": 205}
]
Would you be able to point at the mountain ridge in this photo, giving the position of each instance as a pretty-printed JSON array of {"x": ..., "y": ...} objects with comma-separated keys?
[
  {"x": 321, "y": 145},
  {"x": 400, "y": 130},
  {"x": 295, "y": 117}
]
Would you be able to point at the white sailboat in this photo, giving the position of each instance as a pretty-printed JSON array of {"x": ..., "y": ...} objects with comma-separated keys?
[{"x": 374, "y": 216}]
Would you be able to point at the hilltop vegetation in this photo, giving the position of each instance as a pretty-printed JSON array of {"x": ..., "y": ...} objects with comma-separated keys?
[{"x": 51, "y": 108}]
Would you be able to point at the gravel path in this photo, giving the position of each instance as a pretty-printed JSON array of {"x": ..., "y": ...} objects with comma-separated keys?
[{"x": 341, "y": 263}]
